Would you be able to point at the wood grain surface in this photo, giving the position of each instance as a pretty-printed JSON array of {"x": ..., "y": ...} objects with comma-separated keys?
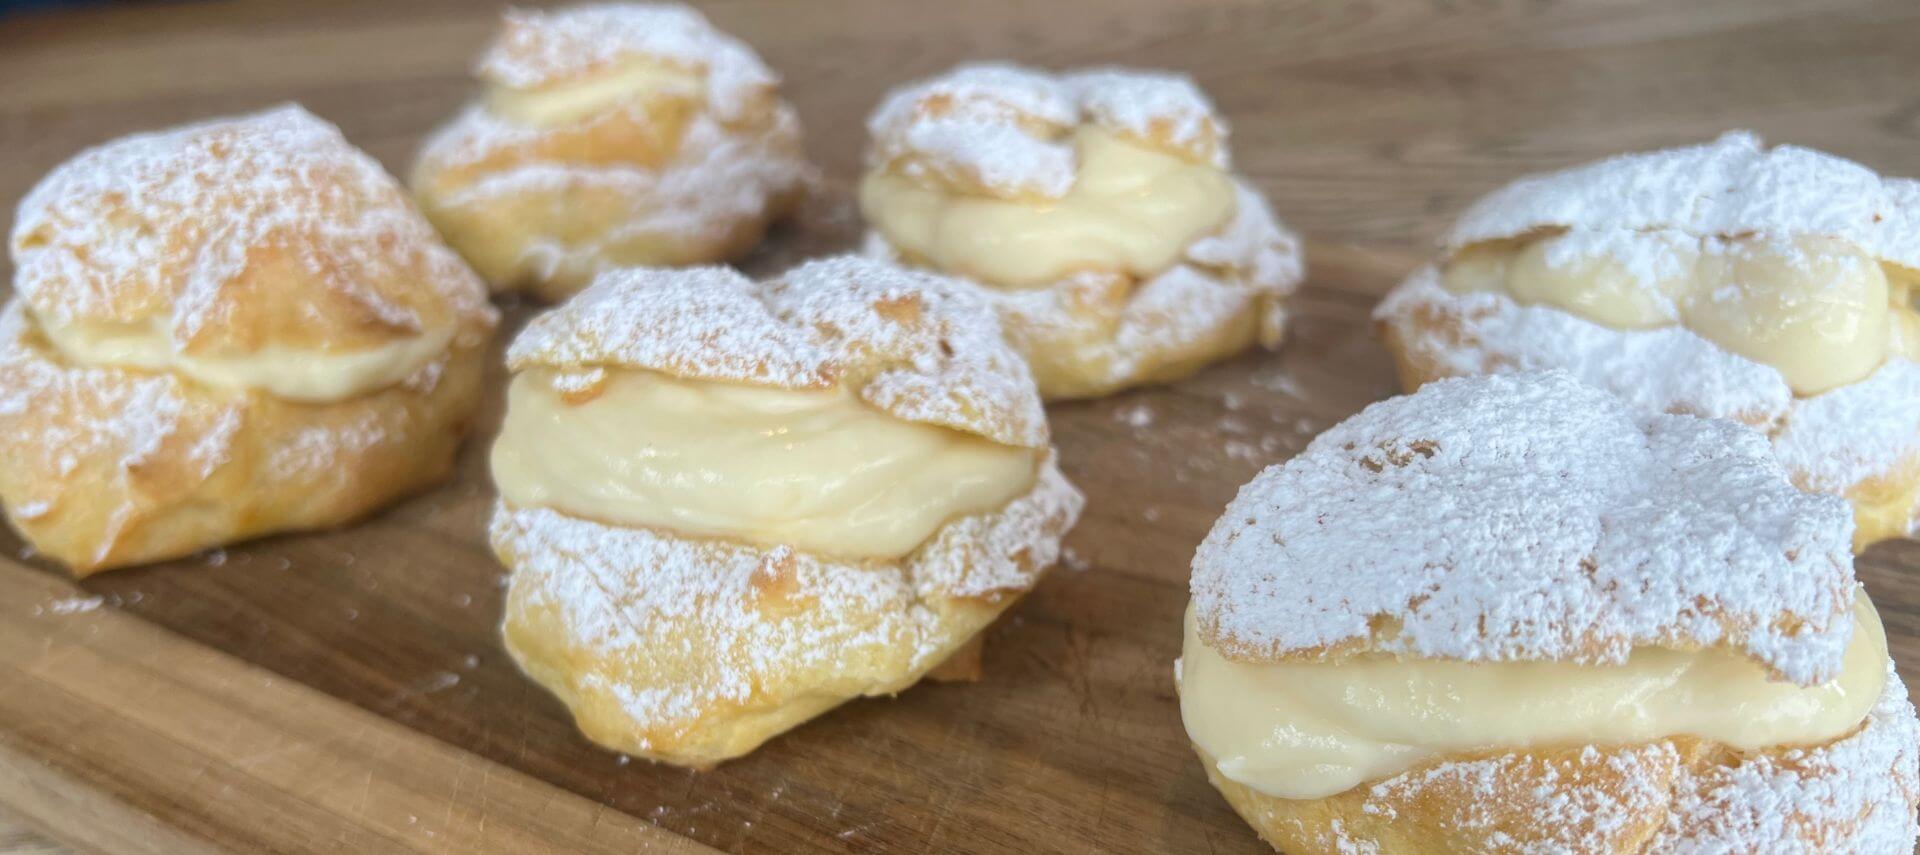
[{"x": 346, "y": 690}]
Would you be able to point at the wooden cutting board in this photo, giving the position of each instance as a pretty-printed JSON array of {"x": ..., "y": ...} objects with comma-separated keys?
[{"x": 346, "y": 691}]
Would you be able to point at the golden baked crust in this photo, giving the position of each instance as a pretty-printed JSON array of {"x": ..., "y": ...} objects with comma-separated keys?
[
  {"x": 691, "y": 650},
  {"x": 260, "y": 237},
  {"x": 697, "y": 651},
  {"x": 1004, "y": 132},
  {"x": 106, "y": 467},
  {"x": 652, "y": 178},
  {"x": 1855, "y": 794}
]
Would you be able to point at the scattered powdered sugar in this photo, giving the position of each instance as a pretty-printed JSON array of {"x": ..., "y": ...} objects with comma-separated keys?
[
  {"x": 1731, "y": 186},
  {"x": 713, "y": 620},
  {"x": 163, "y": 228},
  {"x": 1003, "y": 126},
  {"x": 538, "y": 48},
  {"x": 922, "y": 347},
  {"x": 1529, "y": 517},
  {"x": 74, "y": 605},
  {"x": 1829, "y": 441}
]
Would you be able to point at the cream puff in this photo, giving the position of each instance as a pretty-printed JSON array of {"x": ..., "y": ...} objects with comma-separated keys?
[
  {"x": 1097, "y": 210},
  {"x": 611, "y": 134},
  {"x": 222, "y": 331},
  {"x": 1512, "y": 613},
  {"x": 1772, "y": 286},
  {"x": 729, "y": 507}
]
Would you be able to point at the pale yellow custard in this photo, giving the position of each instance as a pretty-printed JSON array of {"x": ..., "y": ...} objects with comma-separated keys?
[
  {"x": 1819, "y": 310},
  {"x": 566, "y": 102},
  {"x": 1132, "y": 209},
  {"x": 1310, "y": 730},
  {"x": 295, "y": 374},
  {"x": 821, "y": 471}
]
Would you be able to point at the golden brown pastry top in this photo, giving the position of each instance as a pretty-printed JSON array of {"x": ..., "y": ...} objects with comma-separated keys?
[
  {"x": 1529, "y": 517},
  {"x": 1006, "y": 131},
  {"x": 919, "y": 346},
  {"x": 236, "y": 235}
]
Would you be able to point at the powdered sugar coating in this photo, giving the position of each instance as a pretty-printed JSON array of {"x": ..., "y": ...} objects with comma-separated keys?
[
  {"x": 621, "y": 592},
  {"x": 1529, "y": 517},
  {"x": 1731, "y": 186},
  {"x": 1003, "y": 126},
  {"x": 539, "y": 48},
  {"x": 1829, "y": 442},
  {"x": 920, "y": 346},
  {"x": 180, "y": 228}
]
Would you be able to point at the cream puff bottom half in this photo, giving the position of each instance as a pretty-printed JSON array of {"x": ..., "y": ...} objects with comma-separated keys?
[
  {"x": 1819, "y": 310},
  {"x": 816, "y": 470},
  {"x": 1132, "y": 209},
  {"x": 1310, "y": 730}
]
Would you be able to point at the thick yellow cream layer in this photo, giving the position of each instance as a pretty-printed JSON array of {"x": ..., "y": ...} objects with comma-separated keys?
[
  {"x": 557, "y": 105},
  {"x": 1819, "y": 310},
  {"x": 1310, "y": 730},
  {"x": 295, "y": 374},
  {"x": 819, "y": 471},
  {"x": 1132, "y": 209}
]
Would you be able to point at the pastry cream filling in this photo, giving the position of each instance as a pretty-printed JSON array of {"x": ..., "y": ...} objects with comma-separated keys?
[
  {"x": 1132, "y": 209},
  {"x": 291, "y": 373},
  {"x": 1313, "y": 729},
  {"x": 1819, "y": 310},
  {"x": 821, "y": 471},
  {"x": 559, "y": 104}
]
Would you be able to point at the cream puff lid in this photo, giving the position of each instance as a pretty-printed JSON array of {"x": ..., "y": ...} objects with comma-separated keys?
[
  {"x": 539, "y": 49},
  {"x": 1528, "y": 517},
  {"x": 1004, "y": 130},
  {"x": 1735, "y": 185},
  {"x": 918, "y": 346},
  {"x": 253, "y": 241}
]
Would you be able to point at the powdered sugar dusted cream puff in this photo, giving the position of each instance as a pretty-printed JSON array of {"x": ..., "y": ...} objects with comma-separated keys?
[
  {"x": 1773, "y": 286},
  {"x": 1096, "y": 208},
  {"x": 221, "y": 331},
  {"x": 730, "y": 507},
  {"x": 611, "y": 134},
  {"x": 1512, "y": 614}
]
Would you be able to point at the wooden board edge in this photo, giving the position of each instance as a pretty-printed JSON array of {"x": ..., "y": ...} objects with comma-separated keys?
[{"x": 117, "y": 735}]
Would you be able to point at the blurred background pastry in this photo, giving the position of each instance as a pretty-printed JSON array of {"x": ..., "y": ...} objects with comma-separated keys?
[
  {"x": 1512, "y": 614},
  {"x": 226, "y": 330},
  {"x": 1096, "y": 207},
  {"x": 729, "y": 507},
  {"x": 1773, "y": 286},
  {"x": 607, "y": 135}
]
